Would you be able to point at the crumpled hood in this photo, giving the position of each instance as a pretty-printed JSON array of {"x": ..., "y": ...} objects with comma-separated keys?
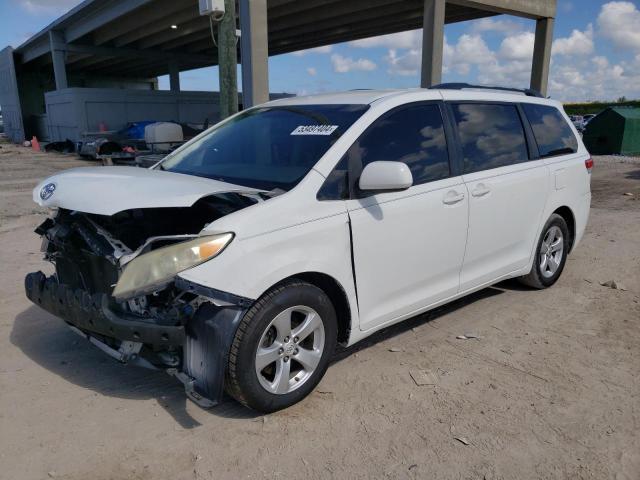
[{"x": 109, "y": 190}]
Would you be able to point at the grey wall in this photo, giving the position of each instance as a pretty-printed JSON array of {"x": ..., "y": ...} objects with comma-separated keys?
[{"x": 73, "y": 111}]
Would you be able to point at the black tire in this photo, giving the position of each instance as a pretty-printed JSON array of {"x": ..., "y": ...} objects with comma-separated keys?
[
  {"x": 536, "y": 278},
  {"x": 242, "y": 381}
]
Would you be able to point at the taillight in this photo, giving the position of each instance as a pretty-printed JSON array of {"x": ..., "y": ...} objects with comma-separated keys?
[{"x": 589, "y": 164}]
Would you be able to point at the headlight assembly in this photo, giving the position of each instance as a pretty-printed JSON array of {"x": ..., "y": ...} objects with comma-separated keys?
[{"x": 156, "y": 268}]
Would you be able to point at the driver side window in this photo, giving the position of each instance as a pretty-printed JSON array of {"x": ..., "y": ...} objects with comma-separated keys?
[{"x": 411, "y": 134}]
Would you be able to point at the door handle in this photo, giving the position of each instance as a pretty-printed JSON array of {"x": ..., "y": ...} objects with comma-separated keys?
[
  {"x": 452, "y": 197},
  {"x": 480, "y": 191}
]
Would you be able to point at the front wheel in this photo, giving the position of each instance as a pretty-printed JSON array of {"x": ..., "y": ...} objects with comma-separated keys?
[
  {"x": 551, "y": 254},
  {"x": 282, "y": 347}
]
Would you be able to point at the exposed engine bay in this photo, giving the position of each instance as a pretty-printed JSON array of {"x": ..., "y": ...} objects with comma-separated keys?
[{"x": 90, "y": 253}]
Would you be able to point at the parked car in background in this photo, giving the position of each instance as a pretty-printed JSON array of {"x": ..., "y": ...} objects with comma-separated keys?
[
  {"x": 587, "y": 118},
  {"x": 1, "y": 123},
  {"x": 245, "y": 256},
  {"x": 578, "y": 122}
]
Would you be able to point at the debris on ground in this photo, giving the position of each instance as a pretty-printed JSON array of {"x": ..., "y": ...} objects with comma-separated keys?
[
  {"x": 424, "y": 377},
  {"x": 468, "y": 336},
  {"x": 628, "y": 194},
  {"x": 462, "y": 440},
  {"x": 613, "y": 285},
  {"x": 395, "y": 349}
]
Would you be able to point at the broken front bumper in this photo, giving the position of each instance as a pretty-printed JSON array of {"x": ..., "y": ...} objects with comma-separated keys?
[
  {"x": 91, "y": 313},
  {"x": 205, "y": 339}
]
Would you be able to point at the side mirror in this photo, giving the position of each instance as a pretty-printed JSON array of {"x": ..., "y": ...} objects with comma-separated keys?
[{"x": 385, "y": 176}]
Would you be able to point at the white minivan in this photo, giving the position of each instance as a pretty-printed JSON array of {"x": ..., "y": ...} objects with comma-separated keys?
[{"x": 239, "y": 261}]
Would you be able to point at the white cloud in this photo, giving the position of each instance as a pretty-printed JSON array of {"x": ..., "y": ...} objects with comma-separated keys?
[
  {"x": 312, "y": 71},
  {"x": 620, "y": 22},
  {"x": 47, "y": 6},
  {"x": 411, "y": 39},
  {"x": 578, "y": 43},
  {"x": 347, "y": 64},
  {"x": 517, "y": 47},
  {"x": 471, "y": 50},
  {"x": 489, "y": 24},
  {"x": 323, "y": 49},
  {"x": 406, "y": 64},
  {"x": 468, "y": 51},
  {"x": 577, "y": 71}
]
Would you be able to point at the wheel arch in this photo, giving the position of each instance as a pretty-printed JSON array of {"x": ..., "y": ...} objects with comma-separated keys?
[
  {"x": 336, "y": 293},
  {"x": 567, "y": 214}
]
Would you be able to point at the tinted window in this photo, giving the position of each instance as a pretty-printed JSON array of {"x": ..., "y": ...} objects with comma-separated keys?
[
  {"x": 413, "y": 135},
  {"x": 491, "y": 135},
  {"x": 266, "y": 147},
  {"x": 336, "y": 186},
  {"x": 551, "y": 131}
]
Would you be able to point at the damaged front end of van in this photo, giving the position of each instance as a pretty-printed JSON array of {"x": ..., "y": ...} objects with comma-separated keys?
[{"x": 117, "y": 240}]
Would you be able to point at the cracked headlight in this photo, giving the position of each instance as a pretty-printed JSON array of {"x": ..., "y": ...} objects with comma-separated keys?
[{"x": 158, "y": 267}]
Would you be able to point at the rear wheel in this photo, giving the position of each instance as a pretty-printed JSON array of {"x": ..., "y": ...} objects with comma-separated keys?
[
  {"x": 282, "y": 347},
  {"x": 551, "y": 254}
]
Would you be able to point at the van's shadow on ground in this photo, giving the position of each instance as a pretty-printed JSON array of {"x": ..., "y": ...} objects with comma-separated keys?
[
  {"x": 47, "y": 341},
  {"x": 634, "y": 175}
]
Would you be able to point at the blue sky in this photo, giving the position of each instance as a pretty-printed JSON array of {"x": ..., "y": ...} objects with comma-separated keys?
[{"x": 596, "y": 53}]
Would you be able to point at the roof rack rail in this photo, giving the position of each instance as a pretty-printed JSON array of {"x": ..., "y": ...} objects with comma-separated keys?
[{"x": 529, "y": 92}]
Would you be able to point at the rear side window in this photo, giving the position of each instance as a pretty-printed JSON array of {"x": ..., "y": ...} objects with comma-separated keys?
[
  {"x": 551, "y": 131},
  {"x": 491, "y": 135},
  {"x": 413, "y": 135}
]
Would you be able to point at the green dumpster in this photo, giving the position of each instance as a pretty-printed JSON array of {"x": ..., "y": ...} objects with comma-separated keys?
[{"x": 614, "y": 131}]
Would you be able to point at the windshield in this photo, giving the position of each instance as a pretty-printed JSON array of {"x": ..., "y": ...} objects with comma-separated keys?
[{"x": 266, "y": 147}]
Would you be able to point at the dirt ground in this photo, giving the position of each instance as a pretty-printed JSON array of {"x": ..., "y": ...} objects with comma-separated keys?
[{"x": 550, "y": 389}]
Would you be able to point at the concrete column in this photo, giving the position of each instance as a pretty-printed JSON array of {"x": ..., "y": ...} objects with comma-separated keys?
[
  {"x": 228, "y": 61},
  {"x": 56, "y": 42},
  {"x": 254, "y": 50},
  {"x": 174, "y": 76},
  {"x": 432, "y": 42},
  {"x": 542, "y": 55}
]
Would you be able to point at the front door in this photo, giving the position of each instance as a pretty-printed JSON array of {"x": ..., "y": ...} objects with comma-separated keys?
[{"x": 408, "y": 246}]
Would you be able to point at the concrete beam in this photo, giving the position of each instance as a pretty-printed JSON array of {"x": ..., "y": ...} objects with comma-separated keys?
[
  {"x": 42, "y": 47},
  {"x": 542, "y": 55},
  {"x": 174, "y": 76},
  {"x": 187, "y": 27},
  {"x": 57, "y": 56},
  {"x": 131, "y": 53},
  {"x": 109, "y": 12},
  {"x": 432, "y": 43},
  {"x": 534, "y": 9},
  {"x": 157, "y": 16},
  {"x": 254, "y": 52}
]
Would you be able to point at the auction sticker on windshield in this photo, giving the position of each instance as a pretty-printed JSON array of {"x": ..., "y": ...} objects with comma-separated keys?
[{"x": 314, "y": 130}]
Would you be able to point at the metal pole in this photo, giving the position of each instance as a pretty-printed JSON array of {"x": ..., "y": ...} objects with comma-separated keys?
[
  {"x": 542, "y": 55},
  {"x": 254, "y": 44},
  {"x": 228, "y": 61},
  {"x": 432, "y": 43}
]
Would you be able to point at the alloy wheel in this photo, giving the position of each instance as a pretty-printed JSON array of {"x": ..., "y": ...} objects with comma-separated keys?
[
  {"x": 290, "y": 349},
  {"x": 551, "y": 252}
]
